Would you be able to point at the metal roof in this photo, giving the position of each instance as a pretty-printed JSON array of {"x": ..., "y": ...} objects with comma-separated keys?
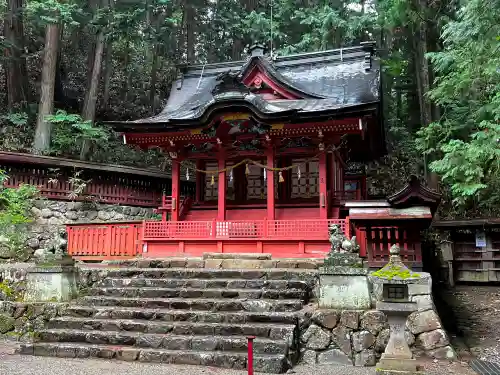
[{"x": 328, "y": 81}]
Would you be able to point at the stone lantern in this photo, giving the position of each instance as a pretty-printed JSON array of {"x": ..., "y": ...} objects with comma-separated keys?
[{"x": 391, "y": 286}]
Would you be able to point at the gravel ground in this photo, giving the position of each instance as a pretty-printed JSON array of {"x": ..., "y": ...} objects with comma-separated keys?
[{"x": 14, "y": 364}]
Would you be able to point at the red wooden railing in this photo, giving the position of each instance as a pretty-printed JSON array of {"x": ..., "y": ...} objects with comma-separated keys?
[
  {"x": 105, "y": 240},
  {"x": 119, "y": 240},
  {"x": 113, "y": 184},
  {"x": 243, "y": 229},
  {"x": 166, "y": 207},
  {"x": 102, "y": 188},
  {"x": 186, "y": 204}
]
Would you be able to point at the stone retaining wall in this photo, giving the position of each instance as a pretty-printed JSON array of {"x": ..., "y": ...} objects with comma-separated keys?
[
  {"x": 20, "y": 320},
  {"x": 60, "y": 212},
  {"x": 360, "y": 337}
]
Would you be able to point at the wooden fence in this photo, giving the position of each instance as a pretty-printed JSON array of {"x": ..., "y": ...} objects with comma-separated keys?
[
  {"x": 470, "y": 249},
  {"x": 105, "y": 241},
  {"x": 64, "y": 179}
]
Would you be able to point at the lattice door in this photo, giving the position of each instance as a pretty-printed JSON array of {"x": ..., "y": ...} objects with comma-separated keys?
[
  {"x": 256, "y": 187},
  {"x": 212, "y": 191},
  {"x": 307, "y": 185}
]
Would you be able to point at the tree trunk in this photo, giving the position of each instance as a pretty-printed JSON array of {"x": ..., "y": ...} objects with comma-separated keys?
[
  {"x": 213, "y": 39},
  {"x": 153, "y": 79},
  {"x": 108, "y": 64},
  {"x": 155, "y": 63},
  {"x": 423, "y": 78},
  {"x": 89, "y": 105},
  {"x": 93, "y": 7},
  {"x": 126, "y": 63},
  {"x": 15, "y": 67},
  {"x": 190, "y": 34},
  {"x": 46, "y": 106}
]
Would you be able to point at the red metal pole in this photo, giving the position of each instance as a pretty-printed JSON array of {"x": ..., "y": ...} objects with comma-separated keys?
[{"x": 250, "y": 355}]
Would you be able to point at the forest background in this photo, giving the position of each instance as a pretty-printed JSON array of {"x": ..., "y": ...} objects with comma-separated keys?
[{"x": 69, "y": 65}]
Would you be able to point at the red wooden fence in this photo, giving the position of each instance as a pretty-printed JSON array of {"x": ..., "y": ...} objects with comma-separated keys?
[
  {"x": 380, "y": 239},
  {"x": 104, "y": 241}
]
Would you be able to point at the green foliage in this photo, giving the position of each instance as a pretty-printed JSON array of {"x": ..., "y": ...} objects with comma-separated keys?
[
  {"x": 15, "y": 203},
  {"x": 52, "y": 11},
  {"x": 15, "y": 210},
  {"x": 16, "y": 131},
  {"x": 70, "y": 130},
  {"x": 465, "y": 142},
  {"x": 18, "y": 119}
]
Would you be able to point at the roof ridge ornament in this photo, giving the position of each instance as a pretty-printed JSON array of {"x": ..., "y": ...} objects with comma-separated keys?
[
  {"x": 256, "y": 50},
  {"x": 229, "y": 84}
]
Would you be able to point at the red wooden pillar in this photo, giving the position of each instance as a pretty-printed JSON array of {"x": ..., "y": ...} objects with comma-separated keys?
[
  {"x": 323, "y": 198},
  {"x": 221, "y": 203},
  {"x": 200, "y": 181},
  {"x": 270, "y": 185},
  {"x": 333, "y": 171},
  {"x": 176, "y": 189},
  {"x": 341, "y": 177}
]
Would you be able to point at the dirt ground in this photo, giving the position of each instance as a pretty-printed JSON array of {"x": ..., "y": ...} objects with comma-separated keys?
[{"x": 472, "y": 320}]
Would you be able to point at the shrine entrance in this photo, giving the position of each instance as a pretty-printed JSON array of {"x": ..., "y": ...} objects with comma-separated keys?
[{"x": 247, "y": 184}]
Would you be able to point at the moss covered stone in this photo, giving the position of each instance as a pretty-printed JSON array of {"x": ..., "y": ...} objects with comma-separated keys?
[
  {"x": 395, "y": 272},
  {"x": 6, "y": 323},
  {"x": 6, "y": 291}
]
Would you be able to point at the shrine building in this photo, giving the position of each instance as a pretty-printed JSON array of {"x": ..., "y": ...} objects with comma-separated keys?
[{"x": 271, "y": 144}]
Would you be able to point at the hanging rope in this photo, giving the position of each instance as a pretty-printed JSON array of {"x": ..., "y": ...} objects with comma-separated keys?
[{"x": 192, "y": 166}]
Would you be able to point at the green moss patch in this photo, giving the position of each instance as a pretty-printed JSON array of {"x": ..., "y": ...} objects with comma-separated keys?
[{"x": 393, "y": 272}]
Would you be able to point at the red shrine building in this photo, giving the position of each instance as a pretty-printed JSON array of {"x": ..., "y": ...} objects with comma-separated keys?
[{"x": 274, "y": 146}]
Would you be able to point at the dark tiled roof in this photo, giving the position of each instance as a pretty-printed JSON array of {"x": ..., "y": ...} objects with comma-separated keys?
[{"x": 325, "y": 81}]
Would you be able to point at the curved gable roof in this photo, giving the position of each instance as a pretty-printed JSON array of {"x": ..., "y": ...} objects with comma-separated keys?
[{"x": 319, "y": 81}]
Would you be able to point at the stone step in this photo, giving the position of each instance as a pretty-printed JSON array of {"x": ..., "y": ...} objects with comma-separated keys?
[
  {"x": 309, "y": 276},
  {"x": 258, "y": 256},
  {"x": 166, "y": 315},
  {"x": 220, "y": 260},
  {"x": 164, "y": 341},
  {"x": 204, "y": 283},
  {"x": 155, "y": 292},
  {"x": 206, "y": 304},
  {"x": 265, "y": 330},
  {"x": 269, "y": 363}
]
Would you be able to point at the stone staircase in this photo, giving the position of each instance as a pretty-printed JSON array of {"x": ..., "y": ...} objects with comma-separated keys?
[{"x": 181, "y": 312}]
